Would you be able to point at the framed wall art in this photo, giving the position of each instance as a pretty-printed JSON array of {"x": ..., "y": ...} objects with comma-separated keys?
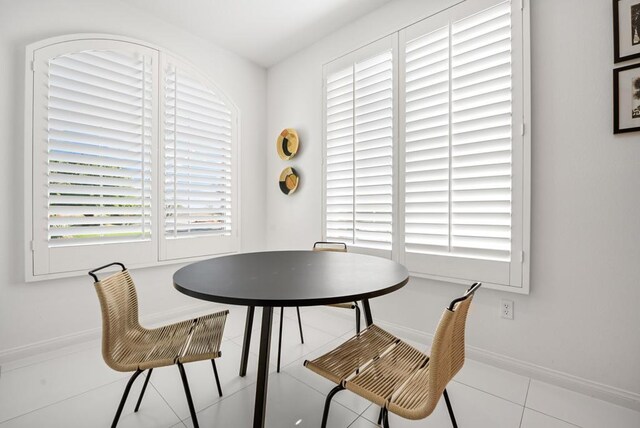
[
  {"x": 626, "y": 99},
  {"x": 626, "y": 30}
]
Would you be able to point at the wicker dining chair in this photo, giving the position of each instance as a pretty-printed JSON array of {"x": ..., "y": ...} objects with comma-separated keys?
[
  {"x": 129, "y": 347},
  {"x": 340, "y": 247},
  {"x": 392, "y": 374},
  {"x": 320, "y": 246}
]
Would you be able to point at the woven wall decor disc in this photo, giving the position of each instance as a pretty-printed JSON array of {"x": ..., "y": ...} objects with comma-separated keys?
[
  {"x": 289, "y": 180},
  {"x": 287, "y": 144}
]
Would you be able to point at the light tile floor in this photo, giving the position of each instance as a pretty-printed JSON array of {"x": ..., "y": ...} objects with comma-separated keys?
[{"x": 73, "y": 387}]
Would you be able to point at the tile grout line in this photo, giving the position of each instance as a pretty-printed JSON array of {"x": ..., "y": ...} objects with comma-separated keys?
[
  {"x": 554, "y": 417},
  {"x": 489, "y": 393},
  {"x": 543, "y": 413},
  {"x": 224, "y": 397},
  {"x": 524, "y": 405},
  {"x": 166, "y": 402},
  {"x": 333, "y": 402},
  {"x": 50, "y": 358},
  {"x": 63, "y": 400}
]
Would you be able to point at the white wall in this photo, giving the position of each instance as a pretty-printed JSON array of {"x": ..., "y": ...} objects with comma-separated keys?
[
  {"x": 582, "y": 316},
  {"x": 43, "y": 311}
]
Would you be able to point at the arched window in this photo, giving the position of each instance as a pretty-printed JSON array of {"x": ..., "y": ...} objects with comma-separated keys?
[{"x": 132, "y": 156}]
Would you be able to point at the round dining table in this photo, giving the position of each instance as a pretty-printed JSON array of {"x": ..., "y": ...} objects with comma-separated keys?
[{"x": 287, "y": 278}]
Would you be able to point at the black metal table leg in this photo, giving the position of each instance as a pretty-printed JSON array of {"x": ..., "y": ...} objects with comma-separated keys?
[
  {"x": 246, "y": 343},
  {"x": 367, "y": 312},
  {"x": 280, "y": 338},
  {"x": 263, "y": 368}
]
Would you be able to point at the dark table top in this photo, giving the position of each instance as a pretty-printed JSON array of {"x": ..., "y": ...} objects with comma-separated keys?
[{"x": 290, "y": 278}]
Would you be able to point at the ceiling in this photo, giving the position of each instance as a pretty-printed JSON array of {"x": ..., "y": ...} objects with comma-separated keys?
[{"x": 264, "y": 31}]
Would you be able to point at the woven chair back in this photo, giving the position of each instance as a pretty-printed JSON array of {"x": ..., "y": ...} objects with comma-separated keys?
[
  {"x": 330, "y": 246},
  {"x": 418, "y": 397},
  {"x": 120, "y": 325},
  {"x": 447, "y": 350}
]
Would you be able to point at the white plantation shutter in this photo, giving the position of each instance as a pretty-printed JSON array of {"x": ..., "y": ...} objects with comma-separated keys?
[
  {"x": 359, "y": 135},
  {"x": 339, "y": 203},
  {"x": 460, "y": 77},
  {"x": 94, "y": 109},
  {"x": 197, "y": 158},
  {"x": 198, "y": 139},
  {"x": 427, "y": 143},
  {"x": 99, "y": 148},
  {"x": 481, "y": 128},
  {"x": 373, "y": 144}
]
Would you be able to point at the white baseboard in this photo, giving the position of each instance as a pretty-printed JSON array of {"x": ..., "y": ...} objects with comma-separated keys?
[
  {"x": 50, "y": 345},
  {"x": 568, "y": 381}
]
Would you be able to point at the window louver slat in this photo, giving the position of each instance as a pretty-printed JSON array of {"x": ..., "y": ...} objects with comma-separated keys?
[
  {"x": 197, "y": 151},
  {"x": 99, "y": 145}
]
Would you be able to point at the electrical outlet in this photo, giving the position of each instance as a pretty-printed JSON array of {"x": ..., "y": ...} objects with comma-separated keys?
[{"x": 506, "y": 309}]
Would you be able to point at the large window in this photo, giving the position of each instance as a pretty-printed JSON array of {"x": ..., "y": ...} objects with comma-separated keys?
[
  {"x": 459, "y": 153},
  {"x": 130, "y": 157}
]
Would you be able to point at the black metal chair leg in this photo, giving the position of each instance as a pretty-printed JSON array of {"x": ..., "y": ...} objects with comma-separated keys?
[
  {"x": 215, "y": 373},
  {"x": 327, "y": 404},
  {"x": 300, "y": 325},
  {"x": 124, "y": 398},
  {"x": 380, "y": 415},
  {"x": 357, "y": 308},
  {"x": 187, "y": 392},
  {"x": 450, "y": 409},
  {"x": 385, "y": 419},
  {"x": 144, "y": 388},
  {"x": 280, "y": 338}
]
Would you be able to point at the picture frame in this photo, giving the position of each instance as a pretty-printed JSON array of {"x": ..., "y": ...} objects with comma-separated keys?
[
  {"x": 626, "y": 30},
  {"x": 626, "y": 99}
]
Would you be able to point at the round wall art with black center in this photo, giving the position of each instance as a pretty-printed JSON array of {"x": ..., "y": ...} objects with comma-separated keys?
[
  {"x": 289, "y": 180},
  {"x": 287, "y": 143}
]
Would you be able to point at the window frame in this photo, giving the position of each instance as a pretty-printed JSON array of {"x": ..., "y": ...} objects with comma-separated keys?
[
  {"x": 126, "y": 252},
  {"x": 518, "y": 277}
]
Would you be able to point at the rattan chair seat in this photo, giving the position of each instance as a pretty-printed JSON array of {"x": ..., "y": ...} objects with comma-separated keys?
[
  {"x": 381, "y": 378},
  {"x": 350, "y": 357}
]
